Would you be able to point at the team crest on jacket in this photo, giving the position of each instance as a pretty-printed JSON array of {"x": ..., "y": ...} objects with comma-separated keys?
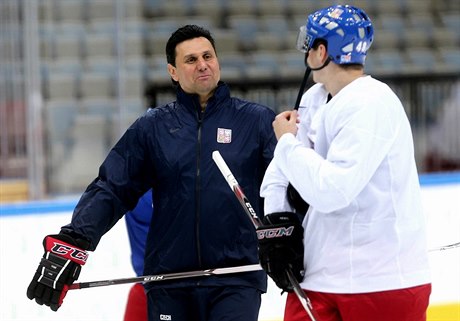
[{"x": 224, "y": 136}]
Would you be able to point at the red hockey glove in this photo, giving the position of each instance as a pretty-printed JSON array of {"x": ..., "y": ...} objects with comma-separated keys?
[
  {"x": 58, "y": 269},
  {"x": 281, "y": 247}
]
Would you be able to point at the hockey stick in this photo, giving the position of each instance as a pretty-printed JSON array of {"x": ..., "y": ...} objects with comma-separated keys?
[
  {"x": 236, "y": 188},
  {"x": 293, "y": 196},
  {"x": 168, "y": 276},
  {"x": 445, "y": 247},
  {"x": 302, "y": 87}
]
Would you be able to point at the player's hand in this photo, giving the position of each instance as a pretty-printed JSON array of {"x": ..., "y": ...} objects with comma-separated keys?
[
  {"x": 285, "y": 122},
  {"x": 281, "y": 248},
  {"x": 59, "y": 267}
]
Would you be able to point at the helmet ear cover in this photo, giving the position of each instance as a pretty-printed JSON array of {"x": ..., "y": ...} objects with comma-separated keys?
[{"x": 347, "y": 31}]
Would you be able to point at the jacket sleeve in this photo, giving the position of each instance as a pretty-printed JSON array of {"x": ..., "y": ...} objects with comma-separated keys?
[{"x": 123, "y": 178}]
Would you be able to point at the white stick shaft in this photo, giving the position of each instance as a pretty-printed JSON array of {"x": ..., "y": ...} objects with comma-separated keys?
[
  {"x": 235, "y": 187},
  {"x": 222, "y": 165}
]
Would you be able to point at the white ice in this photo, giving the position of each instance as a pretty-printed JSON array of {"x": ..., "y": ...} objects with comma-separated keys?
[{"x": 21, "y": 248}]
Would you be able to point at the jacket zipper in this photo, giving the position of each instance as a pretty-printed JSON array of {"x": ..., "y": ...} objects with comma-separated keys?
[{"x": 197, "y": 187}]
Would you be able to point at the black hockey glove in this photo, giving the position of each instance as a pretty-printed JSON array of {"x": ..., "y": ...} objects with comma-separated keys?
[
  {"x": 59, "y": 267},
  {"x": 296, "y": 201},
  {"x": 281, "y": 247}
]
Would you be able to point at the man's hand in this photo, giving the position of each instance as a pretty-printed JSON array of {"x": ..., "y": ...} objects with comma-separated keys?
[
  {"x": 286, "y": 122},
  {"x": 281, "y": 247},
  {"x": 59, "y": 267}
]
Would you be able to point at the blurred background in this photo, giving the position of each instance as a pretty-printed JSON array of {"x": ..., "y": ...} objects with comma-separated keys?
[{"x": 75, "y": 73}]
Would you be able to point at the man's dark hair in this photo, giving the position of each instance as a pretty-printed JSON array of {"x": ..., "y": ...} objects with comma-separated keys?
[
  {"x": 320, "y": 41},
  {"x": 182, "y": 34}
]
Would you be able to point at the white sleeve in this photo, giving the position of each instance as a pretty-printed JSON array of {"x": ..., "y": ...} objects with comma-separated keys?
[
  {"x": 358, "y": 148},
  {"x": 274, "y": 191},
  {"x": 314, "y": 184},
  {"x": 274, "y": 185}
]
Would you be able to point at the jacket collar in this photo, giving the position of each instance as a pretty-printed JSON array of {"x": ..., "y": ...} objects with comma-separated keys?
[{"x": 191, "y": 101}]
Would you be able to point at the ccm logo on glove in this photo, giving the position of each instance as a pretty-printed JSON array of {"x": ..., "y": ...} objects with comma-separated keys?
[
  {"x": 275, "y": 232},
  {"x": 66, "y": 251}
]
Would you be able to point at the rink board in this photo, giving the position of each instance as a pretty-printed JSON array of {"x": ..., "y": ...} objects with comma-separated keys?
[{"x": 23, "y": 225}]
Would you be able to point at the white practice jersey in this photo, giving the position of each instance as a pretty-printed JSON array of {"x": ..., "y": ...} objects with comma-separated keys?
[{"x": 353, "y": 162}]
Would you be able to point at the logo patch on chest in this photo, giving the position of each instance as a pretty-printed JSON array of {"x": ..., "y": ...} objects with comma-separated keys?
[{"x": 224, "y": 136}]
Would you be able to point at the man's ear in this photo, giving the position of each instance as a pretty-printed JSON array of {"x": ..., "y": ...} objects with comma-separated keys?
[
  {"x": 172, "y": 72},
  {"x": 323, "y": 52}
]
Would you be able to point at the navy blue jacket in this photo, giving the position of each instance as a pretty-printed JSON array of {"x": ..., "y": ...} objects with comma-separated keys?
[{"x": 198, "y": 222}]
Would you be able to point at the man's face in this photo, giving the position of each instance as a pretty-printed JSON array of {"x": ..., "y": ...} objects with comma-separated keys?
[{"x": 197, "y": 67}]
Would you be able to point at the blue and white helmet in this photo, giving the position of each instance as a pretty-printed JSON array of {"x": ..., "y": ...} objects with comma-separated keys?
[{"x": 348, "y": 31}]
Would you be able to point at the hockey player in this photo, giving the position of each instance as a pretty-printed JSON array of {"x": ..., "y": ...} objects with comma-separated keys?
[
  {"x": 349, "y": 153},
  {"x": 137, "y": 223},
  {"x": 198, "y": 224}
]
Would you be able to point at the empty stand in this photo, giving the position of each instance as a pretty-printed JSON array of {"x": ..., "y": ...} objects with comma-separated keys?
[
  {"x": 417, "y": 6},
  {"x": 451, "y": 20},
  {"x": 451, "y": 57},
  {"x": 272, "y": 7},
  {"x": 443, "y": 37},
  {"x": 386, "y": 39},
  {"x": 246, "y": 27},
  {"x": 240, "y": 7},
  {"x": 274, "y": 33},
  {"x": 97, "y": 83},
  {"x": 233, "y": 66},
  {"x": 422, "y": 59},
  {"x": 99, "y": 44},
  {"x": 211, "y": 9},
  {"x": 292, "y": 64},
  {"x": 62, "y": 85},
  {"x": 413, "y": 38},
  {"x": 302, "y": 7},
  {"x": 59, "y": 117},
  {"x": 389, "y": 61},
  {"x": 79, "y": 167},
  {"x": 255, "y": 40},
  {"x": 263, "y": 65},
  {"x": 384, "y": 7},
  {"x": 390, "y": 22},
  {"x": 68, "y": 10}
]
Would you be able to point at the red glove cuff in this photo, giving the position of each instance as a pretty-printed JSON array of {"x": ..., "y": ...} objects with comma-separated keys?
[{"x": 65, "y": 250}]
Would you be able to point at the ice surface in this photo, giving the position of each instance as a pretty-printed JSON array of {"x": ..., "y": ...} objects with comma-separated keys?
[{"x": 21, "y": 237}]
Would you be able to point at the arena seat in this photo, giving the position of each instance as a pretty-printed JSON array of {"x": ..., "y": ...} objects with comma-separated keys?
[
  {"x": 246, "y": 27},
  {"x": 263, "y": 64},
  {"x": 423, "y": 59}
]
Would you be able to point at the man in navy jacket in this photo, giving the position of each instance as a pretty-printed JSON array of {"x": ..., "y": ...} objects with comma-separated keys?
[{"x": 198, "y": 222}]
